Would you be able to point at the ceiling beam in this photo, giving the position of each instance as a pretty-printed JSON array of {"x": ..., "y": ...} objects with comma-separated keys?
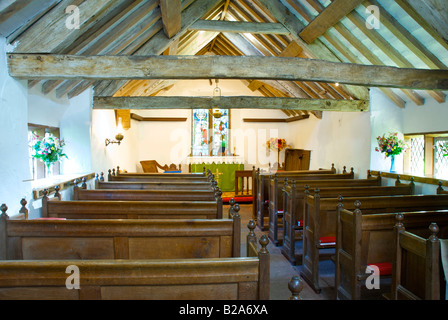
[
  {"x": 159, "y": 42},
  {"x": 435, "y": 13},
  {"x": 50, "y": 33},
  {"x": 171, "y": 17},
  {"x": 335, "y": 11},
  {"x": 239, "y": 27},
  {"x": 137, "y": 117},
  {"x": 49, "y": 66},
  {"x": 291, "y": 119},
  {"x": 237, "y": 102},
  {"x": 316, "y": 50},
  {"x": 22, "y": 12}
]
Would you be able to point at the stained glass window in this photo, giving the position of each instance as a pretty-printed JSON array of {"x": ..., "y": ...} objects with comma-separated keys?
[{"x": 210, "y": 132}]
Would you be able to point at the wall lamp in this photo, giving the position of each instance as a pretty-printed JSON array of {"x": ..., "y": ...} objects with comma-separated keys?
[
  {"x": 117, "y": 140},
  {"x": 119, "y": 136}
]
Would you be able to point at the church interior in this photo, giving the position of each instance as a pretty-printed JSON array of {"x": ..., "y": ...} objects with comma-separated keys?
[{"x": 311, "y": 133}]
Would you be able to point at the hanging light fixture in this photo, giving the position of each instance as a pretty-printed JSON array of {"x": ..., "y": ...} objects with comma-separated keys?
[{"x": 216, "y": 95}]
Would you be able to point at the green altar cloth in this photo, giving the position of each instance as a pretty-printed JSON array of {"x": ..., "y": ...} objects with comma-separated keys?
[{"x": 224, "y": 173}]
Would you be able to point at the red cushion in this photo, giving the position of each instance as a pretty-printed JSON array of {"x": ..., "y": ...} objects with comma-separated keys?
[
  {"x": 300, "y": 223},
  {"x": 280, "y": 211},
  {"x": 385, "y": 268},
  {"x": 237, "y": 199},
  {"x": 50, "y": 219},
  {"x": 326, "y": 241}
]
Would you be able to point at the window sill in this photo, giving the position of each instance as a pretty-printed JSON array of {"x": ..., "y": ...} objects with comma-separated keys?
[
  {"x": 63, "y": 181},
  {"x": 404, "y": 176}
]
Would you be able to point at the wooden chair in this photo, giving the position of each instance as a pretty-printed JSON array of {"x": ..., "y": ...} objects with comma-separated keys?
[{"x": 150, "y": 166}]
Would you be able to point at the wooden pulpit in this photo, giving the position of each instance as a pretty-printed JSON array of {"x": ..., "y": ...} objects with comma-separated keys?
[{"x": 297, "y": 159}]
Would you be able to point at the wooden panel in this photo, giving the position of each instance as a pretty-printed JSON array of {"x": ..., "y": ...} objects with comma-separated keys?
[
  {"x": 198, "y": 292},
  {"x": 180, "y": 247},
  {"x": 41, "y": 293},
  {"x": 67, "y": 248}
]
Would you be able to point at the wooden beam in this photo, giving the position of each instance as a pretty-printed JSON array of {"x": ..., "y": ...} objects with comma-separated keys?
[
  {"x": 316, "y": 50},
  {"x": 159, "y": 42},
  {"x": 422, "y": 22},
  {"x": 435, "y": 12},
  {"x": 239, "y": 27},
  {"x": 291, "y": 119},
  {"x": 140, "y": 118},
  {"x": 236, "y": 102},
  {"x": 335, "y": 11},
  {"x": 50, "y": 34},
  {"x": 38, "y": 66},
  {"x": 22, "y": 12},
  {"x": 171, "y": 16}
]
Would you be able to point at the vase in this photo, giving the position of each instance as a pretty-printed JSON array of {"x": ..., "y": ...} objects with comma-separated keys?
[
  {"x": 392, "y": 163},
  {"x": 48, "y": 170}
]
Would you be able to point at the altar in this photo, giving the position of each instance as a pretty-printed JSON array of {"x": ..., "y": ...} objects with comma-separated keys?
[{"x": 223, "y": 167}]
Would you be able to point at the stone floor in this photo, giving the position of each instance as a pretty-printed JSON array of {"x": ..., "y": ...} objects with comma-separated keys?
[{"x": 282, "y": 270}]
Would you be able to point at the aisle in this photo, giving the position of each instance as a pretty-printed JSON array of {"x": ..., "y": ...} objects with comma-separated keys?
[{"x": 281, "y": 270}]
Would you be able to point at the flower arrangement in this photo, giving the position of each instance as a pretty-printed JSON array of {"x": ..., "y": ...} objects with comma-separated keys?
[
  {"x": 48, "y": 150},
  {"x": 390, "y": 145},
  {"x": 277, "y": 144}
]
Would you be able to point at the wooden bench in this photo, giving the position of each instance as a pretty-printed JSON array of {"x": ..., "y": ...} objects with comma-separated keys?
[
  {"x": 293, "y": 204},
  {"x": 154, "y": 279},
  {"x": 417, "y": 269},
  {"x": 48, "y": 239},
  {"x": 158, "y": 177},
  {"x": 264, "y": 197},
  {"x": 153, "y": 185},
  {"x": 320, "y": 220},
  {"x": 275, "y": 199},
  {"x": 143, "y": 195},
  {"x": 260, "y": 185},
  {"x": 106, "y": 209},
  {"x": 367, "y": 238}
]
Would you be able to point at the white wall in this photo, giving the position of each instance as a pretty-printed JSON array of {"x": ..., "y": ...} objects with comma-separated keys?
[
  {"x": 385, "y": 117},
  {"x": 169, "y": 142},
  {"x": 342, "y": 138},
  {"x": 14, "y": 169}
]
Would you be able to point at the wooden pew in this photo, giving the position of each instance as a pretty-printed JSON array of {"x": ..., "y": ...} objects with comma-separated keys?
[
  {"x": 260, "y": 187},
  {"x": 320, "y": 219},
  {"x": 293, "y": 204},
  {"x": 44, "y": 239},
  {"x": 143, "y": 195},
  {"x": 275, "y": 199},
  {"x": 159, "y": 177},
  {"x": 417, "y": 272},
  {"x": 106, "y": 209},
  {"x": 153, "y": 279},
  {"x": 263, "y": 185},
  {"x": 367, "y": 237},
  {"x": 176, "y": 185}
]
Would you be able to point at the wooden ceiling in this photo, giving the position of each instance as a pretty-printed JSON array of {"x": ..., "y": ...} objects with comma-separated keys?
[{"x": 327, "y": 30}]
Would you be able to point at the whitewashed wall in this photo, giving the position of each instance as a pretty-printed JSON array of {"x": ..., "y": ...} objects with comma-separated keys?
[
  {"x": 385, "y": 117},
  {"x": 14, "y": 168},
  {"x": 342, "y": 138}
]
